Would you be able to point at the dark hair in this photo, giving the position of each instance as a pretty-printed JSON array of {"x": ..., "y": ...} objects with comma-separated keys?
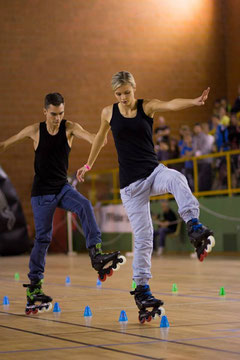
[
  {"x": 55, "y": 99},
  {"x": 198, "y": 124}
]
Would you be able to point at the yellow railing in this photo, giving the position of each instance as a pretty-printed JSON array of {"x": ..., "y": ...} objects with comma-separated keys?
[{"x": 93, "y": 177}]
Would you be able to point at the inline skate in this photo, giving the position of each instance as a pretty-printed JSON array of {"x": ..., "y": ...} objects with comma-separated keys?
[
  {"x": 36, "y": 295},
  {"x": 144, "y": 300},
  {"x": 105, "y": 264},
  {"x": 201, "y": 237}
]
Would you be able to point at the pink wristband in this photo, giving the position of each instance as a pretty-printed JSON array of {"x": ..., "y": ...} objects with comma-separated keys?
[{"x": 87, "y": 166}]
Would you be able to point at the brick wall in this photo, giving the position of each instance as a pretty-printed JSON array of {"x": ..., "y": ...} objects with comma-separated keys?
[
  {"x": 231, "y": 14},
  {"x": 75, "y": 46}
]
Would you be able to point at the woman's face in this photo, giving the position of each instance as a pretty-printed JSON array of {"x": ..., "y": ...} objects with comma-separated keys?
[{"x": 125, "y": 94}]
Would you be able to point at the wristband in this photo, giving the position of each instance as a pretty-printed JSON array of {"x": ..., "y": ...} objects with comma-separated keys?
[{"x": 87, "y": 167}]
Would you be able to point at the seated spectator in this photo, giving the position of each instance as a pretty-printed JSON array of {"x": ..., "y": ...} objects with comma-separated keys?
[
  {"x": 236, "y": 105},
  {"x": 201, "y": 146},
  {"x": 167, "y": 225}
]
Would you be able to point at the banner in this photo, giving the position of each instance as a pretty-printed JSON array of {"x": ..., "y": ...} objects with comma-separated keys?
[{"x": 113, "y": 218}]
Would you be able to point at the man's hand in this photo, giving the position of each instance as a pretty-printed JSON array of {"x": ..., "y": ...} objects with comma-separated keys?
[
  {"x": 201, "y": 99},
  {"x": 81, "y": 172}
]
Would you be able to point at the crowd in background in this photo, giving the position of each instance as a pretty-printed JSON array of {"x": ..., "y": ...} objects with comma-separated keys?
[{"x": 220, "y": 133}]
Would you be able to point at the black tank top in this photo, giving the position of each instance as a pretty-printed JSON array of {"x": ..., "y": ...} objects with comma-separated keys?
[
  {"x": 133, "y": 139},
  {"x": 51, "y": 161}
]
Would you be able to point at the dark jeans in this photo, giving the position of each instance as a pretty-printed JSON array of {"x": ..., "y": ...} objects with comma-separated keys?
[
  {"x": 160, "y": 236},
  {"x": 43, "y": 210}
]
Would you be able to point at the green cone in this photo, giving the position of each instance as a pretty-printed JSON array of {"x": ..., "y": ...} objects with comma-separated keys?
[
  {"x": 174, "y": 288},
  {"x": 222, "y": 291},
  {"x": 16, "y": 276},
  {"x": 134, "y": 285}
]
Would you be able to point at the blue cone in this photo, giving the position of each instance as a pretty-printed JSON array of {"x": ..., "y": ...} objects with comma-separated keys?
[
  {"x": 87, "y": 311},
  {"x": 68, "y": 280},
  {"x": 164, "y": 322},
  {"x": 99, "y": 283},
  {"x": 56, "y": 308},
  {"x": 5, "y": 300},
  {"x": 123, "y": 316}
]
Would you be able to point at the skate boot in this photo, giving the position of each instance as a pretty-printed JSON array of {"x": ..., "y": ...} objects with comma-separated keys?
[
  {"x": 201, "y": 237},
  {"x": 144, "y": 300},
  {"x": 105, "y": 264},
  {"x": 36, "y": 295}
]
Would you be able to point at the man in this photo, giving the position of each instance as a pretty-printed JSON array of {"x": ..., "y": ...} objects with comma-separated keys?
[
  {"x": 52, "y": 141},
  {"x": 167, "y": 225}
]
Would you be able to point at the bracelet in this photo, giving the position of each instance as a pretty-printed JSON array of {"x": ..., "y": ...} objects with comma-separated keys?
[{"x": 87, "y": 166}]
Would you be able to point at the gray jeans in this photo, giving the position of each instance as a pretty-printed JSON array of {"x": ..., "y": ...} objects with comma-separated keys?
[{"x": 135, "y": 198}]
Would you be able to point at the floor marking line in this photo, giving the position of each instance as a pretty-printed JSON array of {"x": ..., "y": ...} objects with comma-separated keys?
[
  {"x": 129, "y": 334},
  {"x": 82, "y": 343}
]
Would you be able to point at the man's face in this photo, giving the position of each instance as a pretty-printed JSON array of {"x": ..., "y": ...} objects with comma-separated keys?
[
  {"x": 54, "y": 114},
  {"x": 125, "y": 94},
  {"x": 197, "y": 129}
]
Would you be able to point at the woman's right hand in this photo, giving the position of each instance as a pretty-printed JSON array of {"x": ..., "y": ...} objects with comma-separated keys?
[{"x": 81, "y": 172}]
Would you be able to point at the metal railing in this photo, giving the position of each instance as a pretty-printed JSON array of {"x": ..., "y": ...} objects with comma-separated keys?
[{"x": 93, "y": 178}]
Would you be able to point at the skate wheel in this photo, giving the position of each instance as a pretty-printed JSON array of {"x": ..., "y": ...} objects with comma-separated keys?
[
  {"x": 122, "y": 259},
  {"x": 35, "y": 311},
  {"x": 212, "y": 240},
  {"x": 162, "y": 311},
  {"x": 49, "y": 307},
  {"x": 149, "y": 318},
  {"x": 116, "y": 268},
  {"x": 141, "y": 319},
  {"x": 110, "y": 272},
  {"x": 102, "y": 278},
  {"x": 28, "y": 312},
  {"x": 41, "y": 310}
]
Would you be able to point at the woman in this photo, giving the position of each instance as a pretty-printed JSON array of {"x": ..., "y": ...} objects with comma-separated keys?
[{"x": 141, "y": 176}]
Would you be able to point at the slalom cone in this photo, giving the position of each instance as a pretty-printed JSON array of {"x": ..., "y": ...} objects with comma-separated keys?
[
  {"x": 123, "y": 316},
  {"x": 56, "y": 308},
  {"x": 222, "y": 291},
  {"x": 164, "y": 322},
  {"x": 87, "y": 311},
  {"x": 5, "y": 300}
]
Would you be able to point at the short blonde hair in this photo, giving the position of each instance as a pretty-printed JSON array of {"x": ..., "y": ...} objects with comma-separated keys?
[{"x": 122, "y": 78}]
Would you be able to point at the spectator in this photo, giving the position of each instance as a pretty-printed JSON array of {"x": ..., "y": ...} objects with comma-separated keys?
[
  {"x": 201, "y": 146},
  {"x": 187, "y": 151},
  {"x": 221, "y": 136},
  {"x": 167, "y": 225},
  {"x": 162, "y": 151},
  {"x": 216, "y": 106},
  {"x": 214, "y": 122},
  {"x": 173, "y": 148},
  {"x": 183, "y": 131},
  {"x": 224, "y": 118},
  {"x": 210, "y": 138},
  {"x": 162, "y": 131},
  {"x": 236, "y": 105},
  {"x": 234, "y": 132}
]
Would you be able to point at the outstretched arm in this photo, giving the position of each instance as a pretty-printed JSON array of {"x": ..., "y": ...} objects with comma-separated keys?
[
  {"x": 155, "y": 105},
  {"x": 77, "y": 130},
  {"x": 27, "y": 132},
  {"x": 96, "y": 145}
]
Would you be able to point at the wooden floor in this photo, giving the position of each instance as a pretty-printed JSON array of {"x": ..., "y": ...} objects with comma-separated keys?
[{"x": 203, "y": 325}]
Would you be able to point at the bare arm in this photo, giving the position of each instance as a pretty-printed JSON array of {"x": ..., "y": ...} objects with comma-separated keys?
[
  {"x": 77, "y": 130},
  {"x": 27, "y": 132},
  {"x": 97, "y": 143},
  {"x": 153, "y": 106}
]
